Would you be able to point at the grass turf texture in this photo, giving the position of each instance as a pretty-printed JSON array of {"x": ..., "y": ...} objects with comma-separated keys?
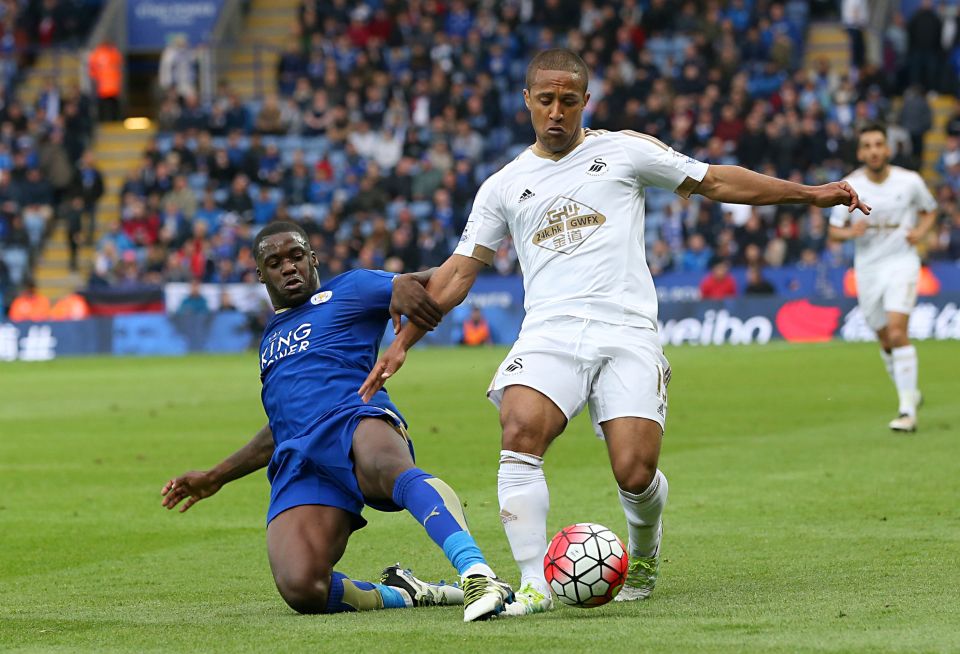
[{"x": 796, "y": 521}]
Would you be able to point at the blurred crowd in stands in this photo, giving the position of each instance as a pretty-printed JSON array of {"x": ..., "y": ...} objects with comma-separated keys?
[
  {"x": 29, "y": 26},
  {"x": 47, "y": 176},
  {"x": 389, "y": 114}
]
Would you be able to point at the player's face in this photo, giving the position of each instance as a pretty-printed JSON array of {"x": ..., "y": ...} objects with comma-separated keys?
[
  {"x": 288, "y": 268},
  {"x": 873, "y": 151},
  {"x": 556, "y": 100}
]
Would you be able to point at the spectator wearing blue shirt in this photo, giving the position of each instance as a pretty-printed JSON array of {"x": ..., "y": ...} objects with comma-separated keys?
[
  {"x": 738, "y": 13},
  {"x": 264, "y": 207},
  {"x": 118, "y": 238},
  {"x": 194, "y": 303},
  {"x": 322, "y": 187},
  {"x": 209, "y": 212},
  {"x": 697, "y": 256},
  {"x": 459, "y": 20}
]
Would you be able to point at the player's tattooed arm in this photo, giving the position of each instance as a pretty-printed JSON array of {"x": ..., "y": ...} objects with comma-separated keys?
[
  {"x": 200, "y": 484},
  {"x": 410, "y": 299}
]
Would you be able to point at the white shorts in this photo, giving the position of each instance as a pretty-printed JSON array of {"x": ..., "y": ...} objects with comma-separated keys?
[
  {"x": 619, "y": 371},
  {"x": 891, "y": 289}
]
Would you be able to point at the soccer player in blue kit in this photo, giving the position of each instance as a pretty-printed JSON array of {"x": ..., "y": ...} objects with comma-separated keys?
[{"x": 329, "y": 454}]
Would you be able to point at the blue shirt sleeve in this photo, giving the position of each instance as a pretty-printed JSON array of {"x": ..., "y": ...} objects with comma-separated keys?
[{"x": 374, "y": 288}]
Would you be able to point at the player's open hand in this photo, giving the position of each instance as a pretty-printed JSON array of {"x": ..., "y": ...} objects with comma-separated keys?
[
  {"x": 914, "y": 236},
  {"x": 386, "y": 366},
  {"x": 834, "y": 193},
  {"x": 192, "y": 486},
  {"x": 410, "y": 299}
]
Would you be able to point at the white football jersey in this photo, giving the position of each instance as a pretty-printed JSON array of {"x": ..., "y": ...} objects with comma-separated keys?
[
  {"x": 577, "y": 225},
  {"x": 895, "y": 203}
]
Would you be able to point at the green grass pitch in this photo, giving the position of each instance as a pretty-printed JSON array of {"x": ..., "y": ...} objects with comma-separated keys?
[{"x": 796, "y": 521}]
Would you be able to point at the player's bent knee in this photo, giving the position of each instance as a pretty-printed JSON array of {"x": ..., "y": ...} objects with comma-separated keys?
[
  {"x": 520, "y": 436},
  {"x": 305, "y": 592},
  {"x": 634, "y": 476},
  {"x": 898, "y": 338}
]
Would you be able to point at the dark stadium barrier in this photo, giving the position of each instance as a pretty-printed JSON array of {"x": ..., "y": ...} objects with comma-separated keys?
[{"x": 116, "y": 301}]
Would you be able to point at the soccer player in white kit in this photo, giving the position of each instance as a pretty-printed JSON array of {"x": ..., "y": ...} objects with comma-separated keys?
[
  {"x": 574, "y": 205},
  {"x": 886, "y": 262}
]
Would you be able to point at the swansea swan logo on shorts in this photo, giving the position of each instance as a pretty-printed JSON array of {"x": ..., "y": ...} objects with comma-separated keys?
[
  {"x": 514, "y": 367},
  {"x": 566, "y": 224}
]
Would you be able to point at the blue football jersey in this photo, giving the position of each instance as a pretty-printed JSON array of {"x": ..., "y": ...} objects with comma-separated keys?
[{"x": 313, "y": 358}]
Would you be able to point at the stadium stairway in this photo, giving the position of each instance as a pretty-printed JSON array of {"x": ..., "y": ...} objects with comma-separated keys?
[
  {"x": 828, "y": 41},
  {"x": 943, "y": 106},
  {"x": 62, "y": 66},
  {"x": 266, "y": 31},
  {"x": 117, "y": 151}
]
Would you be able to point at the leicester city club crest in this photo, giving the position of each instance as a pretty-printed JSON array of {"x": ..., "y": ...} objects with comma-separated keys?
[{"x": 321, "y": 297}]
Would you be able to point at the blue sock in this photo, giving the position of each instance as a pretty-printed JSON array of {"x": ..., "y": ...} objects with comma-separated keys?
[
  {"x": 462, "y": 551},
  {"x": 435, "y": 506},
  {"x": 347, "y": 595},
  {"x": 392, "y": 599}
]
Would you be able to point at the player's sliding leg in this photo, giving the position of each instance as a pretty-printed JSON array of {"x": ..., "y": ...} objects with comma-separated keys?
[
  {"x": 422, "y": 593},
  {"x": 436, "y": 506},
  {"x": 385, "y": 470},
  {"x": 303, "y": 544},
  {"x": 904, "y": 357},
  {"x": 530, "y": 422},
  {"x": 634, "y": 448}
]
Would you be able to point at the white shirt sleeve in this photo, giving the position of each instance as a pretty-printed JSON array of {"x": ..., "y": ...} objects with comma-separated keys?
[
  {"x": 839, "y": 215},
  {"x": 487, "y": 225},
  {"x": 656, "y": 164},
  {"x": 922, "y": 196}
]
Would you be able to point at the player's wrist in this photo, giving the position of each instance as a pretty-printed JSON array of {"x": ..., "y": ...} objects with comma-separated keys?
[
  {"x": 215, "y": 476},
  {"x": 402, "y": 341}
]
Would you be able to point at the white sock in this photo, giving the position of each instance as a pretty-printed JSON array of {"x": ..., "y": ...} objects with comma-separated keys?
[
  {"x": 524, "y": 502},
  {"x": 888, "y": 363},
  {"x": 643, "y": 511},
  {"x": 905, "y": 377},
  {"x": 478, "y": 569}
]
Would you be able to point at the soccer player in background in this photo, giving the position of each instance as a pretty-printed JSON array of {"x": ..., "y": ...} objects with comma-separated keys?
[
  {"x": 573, "y": 203},
  {"x": 329, "y": 454},
  {"x": 886, "y": 262}
]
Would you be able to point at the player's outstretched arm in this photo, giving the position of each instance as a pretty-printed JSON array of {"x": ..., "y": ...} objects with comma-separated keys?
[
  {"x": 449, "y": 286},
  {"x": 738, "y": 185},
  {"x": 410, "y": 299},
  {"x": 197, "y": 485}
]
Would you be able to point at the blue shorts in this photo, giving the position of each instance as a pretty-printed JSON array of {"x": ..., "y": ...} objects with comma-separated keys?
[{"x": 318, "y": 467}]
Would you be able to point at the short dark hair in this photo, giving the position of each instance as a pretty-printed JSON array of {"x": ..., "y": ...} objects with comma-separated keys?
[
  {"x": 558, "y": 59},
  {"x": 872, "y": 126},
  {"x": 278, "y": 227}
]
